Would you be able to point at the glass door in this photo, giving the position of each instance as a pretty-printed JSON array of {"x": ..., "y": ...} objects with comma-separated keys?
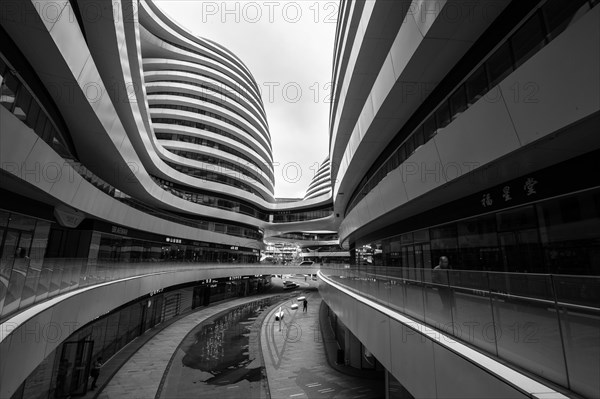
[{"x": 74, "y": 369}]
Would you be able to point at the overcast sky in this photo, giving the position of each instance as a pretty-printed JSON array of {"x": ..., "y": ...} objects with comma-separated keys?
[{"x": 288, "y": 47}]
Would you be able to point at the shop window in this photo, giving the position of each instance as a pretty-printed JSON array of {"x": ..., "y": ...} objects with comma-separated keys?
[{"x": 516, "y": 219}]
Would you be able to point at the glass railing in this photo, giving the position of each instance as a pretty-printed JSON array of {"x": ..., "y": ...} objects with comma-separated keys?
[
  {"x": 32, "y": 281},
  {"x": 546, "y": 325}
]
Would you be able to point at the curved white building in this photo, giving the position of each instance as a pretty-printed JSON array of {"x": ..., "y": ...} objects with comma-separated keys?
[{"x": 136, "y": 183}]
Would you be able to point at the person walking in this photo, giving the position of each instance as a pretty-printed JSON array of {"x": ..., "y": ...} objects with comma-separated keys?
[
  {"x": 95, "y": 373},
  {"x": 304, "y": 306},
  {"x": 440, "y": 277}
]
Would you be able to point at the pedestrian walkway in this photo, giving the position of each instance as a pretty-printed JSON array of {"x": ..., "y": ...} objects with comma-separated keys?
[
  {"x": 140, "y": 377},
  {"x": 295, "y": 359},
  {"x": 293, "y": 353}
]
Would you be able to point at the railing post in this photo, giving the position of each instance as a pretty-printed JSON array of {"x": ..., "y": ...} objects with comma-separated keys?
[
  {"x": 560, "y": 331},
  {"x": 489, "y": 290}
]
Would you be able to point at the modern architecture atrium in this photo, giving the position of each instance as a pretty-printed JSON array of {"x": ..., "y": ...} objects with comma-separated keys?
[{"x": 447, "y": 246}]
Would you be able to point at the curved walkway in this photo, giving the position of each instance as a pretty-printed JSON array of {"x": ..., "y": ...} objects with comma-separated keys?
[{"x": 294, "y": 358}]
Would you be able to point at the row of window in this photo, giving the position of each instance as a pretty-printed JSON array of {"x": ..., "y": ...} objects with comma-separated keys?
[
  {"x": 17, "y": 99},
  {"x": 212, "y": 144},
  {"x": 226, "y": 90},
  {"x": 201, "y": 112},
  {"x": 212, "y": 200},
  {"x": 218, "y": 163},
  {"x": 301, "y": 216},
  {"x": 541, "y": 27},
  {"x": 201, "y": 126},
  {"x": 253, "y": 83},
  {"x": 211, "y": 175},
  {"x": 234, "y": 206},
  {"x": 233, "y": 93},
  {"x": 221, "y": 104}
]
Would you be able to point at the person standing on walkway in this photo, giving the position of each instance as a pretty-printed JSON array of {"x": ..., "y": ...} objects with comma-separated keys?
[
  {"x": 440, "y": 277},
  {"x": 95, "y": 373},
  {"x": 304, "y": 306}
]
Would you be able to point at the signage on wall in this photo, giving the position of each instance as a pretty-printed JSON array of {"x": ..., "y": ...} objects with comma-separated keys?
[
  {"x": 68, "y": 217},
  {"x": 119, "y": 230},
  {"x": 173, "y": 240},
  {"x": 515, "y": 192},
  {"x": 234, "y": 247}
]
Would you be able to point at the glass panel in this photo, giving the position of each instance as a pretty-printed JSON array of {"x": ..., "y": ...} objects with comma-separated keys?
[
  {"x": 98, "y": 332},
  {"x": 580, "y": 330},
  {"x": 559, "y": 14},
  {"x": 15, "y": 286},
  {"x": 43, "y": 285},
  {"x": 2, "y": 70},
  {"x": 499, "y": 65},
  {"x": 40, "y": 124},
  {"x": 21, "y": 222},
  {"x": 32, "y": 114},
  {"x": 419, "y": 139},
  {"x": 4, "y": 217},
  {"x": 8, "y": 90},
  {"x": 410, "y": 146},
  {"x": 528, "y": 40},
  {"x": 429, "y": 127},
  {"x": 458, "y": 102},
  {"x": 442, "y": 115},
  {"x": 534, "y": 341},
  {"x": 6, "y": 262},
  {"x": 476, "y": 85},
  {"x": 112, "y": 327},
  {"x": 22, "y": 104},
  {"x": 29, "y": 289}
]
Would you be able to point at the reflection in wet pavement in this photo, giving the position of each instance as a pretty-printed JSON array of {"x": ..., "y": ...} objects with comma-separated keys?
[{"x": 220, "y": 358}]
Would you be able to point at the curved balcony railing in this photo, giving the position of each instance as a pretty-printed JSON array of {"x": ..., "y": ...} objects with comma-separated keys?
[
  {"x": 32, "y": 281},
  {"x": 545, "y": 325}
]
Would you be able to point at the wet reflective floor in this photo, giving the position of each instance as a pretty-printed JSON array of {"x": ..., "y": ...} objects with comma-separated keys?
[{"x": 220, "y": 358}]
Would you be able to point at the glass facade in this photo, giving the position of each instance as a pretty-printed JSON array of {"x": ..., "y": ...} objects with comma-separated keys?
[
  {"x": 559, "y": 236},
  {"x": 40, "y": 259}
]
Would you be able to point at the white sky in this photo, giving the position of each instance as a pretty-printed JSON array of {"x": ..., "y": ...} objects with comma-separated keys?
[{"x": 288, "y": 47}]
